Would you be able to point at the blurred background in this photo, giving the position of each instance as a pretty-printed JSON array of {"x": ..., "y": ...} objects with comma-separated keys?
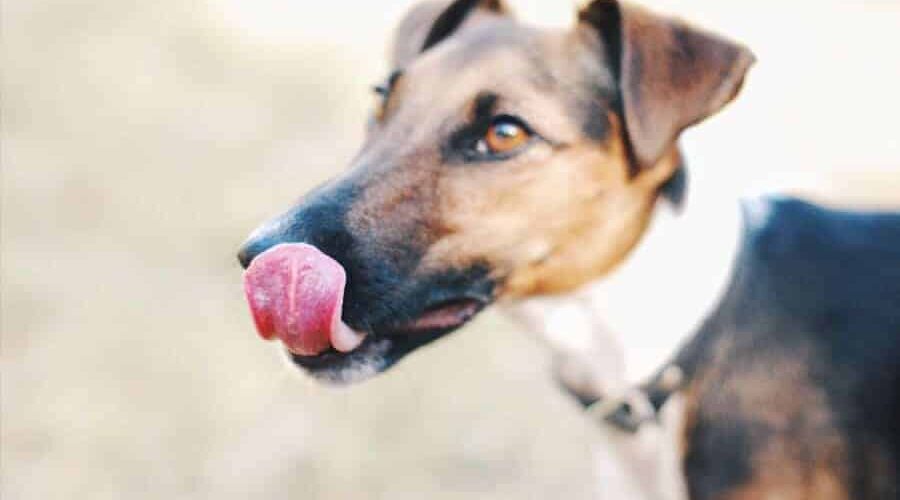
[{"x": 142, "y": 141}]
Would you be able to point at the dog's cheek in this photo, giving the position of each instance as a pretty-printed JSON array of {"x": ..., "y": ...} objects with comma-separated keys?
[
  {"x": 586, "y": 252},
  {"x": 394, "y": 216},
  {"x": 517, "y": 217}
]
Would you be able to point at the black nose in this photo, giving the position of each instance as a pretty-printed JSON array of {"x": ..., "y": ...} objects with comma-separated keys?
[
  {"x": 317, "y": 220},
  {"x": 253, "y": 247}
]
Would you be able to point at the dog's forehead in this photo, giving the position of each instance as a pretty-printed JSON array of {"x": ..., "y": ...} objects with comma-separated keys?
[
  {"x": 499, "y": 51},
  {"x": 537, "y": 74}
]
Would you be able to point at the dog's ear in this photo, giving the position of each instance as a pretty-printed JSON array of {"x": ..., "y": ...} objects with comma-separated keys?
[
  {"x": 428, "y": 23},
  {"x": 670, "y": 75}
]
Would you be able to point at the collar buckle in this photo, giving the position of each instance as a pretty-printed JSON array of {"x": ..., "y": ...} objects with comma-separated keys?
[{"x": 629, "y": 410}]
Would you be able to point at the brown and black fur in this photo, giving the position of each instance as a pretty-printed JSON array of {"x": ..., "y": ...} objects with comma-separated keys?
[
  {"x": 422, "y": 219},
  {"x": 794, "y": 379}
]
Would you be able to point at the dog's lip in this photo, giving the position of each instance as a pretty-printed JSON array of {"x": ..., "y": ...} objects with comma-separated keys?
[
  {"x": 435, "y": 320},
  {"x": 447, "y": 314}
]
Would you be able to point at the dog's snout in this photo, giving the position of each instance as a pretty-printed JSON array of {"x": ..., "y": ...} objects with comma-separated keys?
[
  {"x": 253, "y": 247},
  {"x": 300, "y": 225},
  {"x": 286, "y": 228},
  {"x": 318, "y": 220},
  {"x": 290, "y": 227}
]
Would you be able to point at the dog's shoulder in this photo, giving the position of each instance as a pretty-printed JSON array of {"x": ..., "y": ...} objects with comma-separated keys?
[
  {"x": 784, "y": 229},
  {"x": 795, "y": 376},
  {"x": 832, "y": 270}
]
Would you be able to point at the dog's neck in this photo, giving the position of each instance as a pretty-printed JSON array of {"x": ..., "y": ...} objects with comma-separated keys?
[{"x": 627, "y": 325}]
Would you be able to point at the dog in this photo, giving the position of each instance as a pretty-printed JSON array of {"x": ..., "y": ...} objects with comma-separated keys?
[{"x": 526, "y": 167}]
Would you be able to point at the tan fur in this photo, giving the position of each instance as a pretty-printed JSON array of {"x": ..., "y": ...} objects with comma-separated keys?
[
  {"x": 551, "y": 226},
  {"x": 802, "y": 455},
  {"x": 785, "y": 484}
]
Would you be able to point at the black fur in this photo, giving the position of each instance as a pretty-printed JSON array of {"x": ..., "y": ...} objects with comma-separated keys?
[
  {"x": 819, "y": 288},
  {"x": 453, "y": 17}
]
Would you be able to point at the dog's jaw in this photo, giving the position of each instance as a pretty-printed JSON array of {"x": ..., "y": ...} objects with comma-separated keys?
[
  {"x": 366, "y": 361},
  {"x": 385, "y": 346}
]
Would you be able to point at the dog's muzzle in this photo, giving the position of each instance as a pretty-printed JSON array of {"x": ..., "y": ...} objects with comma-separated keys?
[{"x": 296, "y": 294}]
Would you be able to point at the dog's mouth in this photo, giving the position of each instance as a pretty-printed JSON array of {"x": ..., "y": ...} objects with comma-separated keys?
[
  {"x": 296, "y": 294},
  {"x": 386, "y": 345},
  {"x": 447, "y": 315}
]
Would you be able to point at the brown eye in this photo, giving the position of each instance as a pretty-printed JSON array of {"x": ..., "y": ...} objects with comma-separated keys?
[{"x": 506, "y": 134}]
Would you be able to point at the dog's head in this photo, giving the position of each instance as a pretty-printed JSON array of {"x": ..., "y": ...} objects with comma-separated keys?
[{"x": 503, "y": 161}]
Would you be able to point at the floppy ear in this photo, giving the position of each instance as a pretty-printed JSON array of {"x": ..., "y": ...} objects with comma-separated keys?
[
  {"x": 670, "y": 75},
  {"x": 428, "y": 23}
]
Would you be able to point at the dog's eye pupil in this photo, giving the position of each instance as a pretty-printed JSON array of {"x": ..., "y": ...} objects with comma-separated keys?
[{"x": 505, "y": 135}]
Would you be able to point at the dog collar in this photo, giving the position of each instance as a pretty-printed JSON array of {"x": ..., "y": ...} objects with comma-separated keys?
[{"x": 631, "y": 409}]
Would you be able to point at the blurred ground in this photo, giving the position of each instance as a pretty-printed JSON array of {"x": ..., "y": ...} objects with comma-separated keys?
[{"x": 143, "y": 140}]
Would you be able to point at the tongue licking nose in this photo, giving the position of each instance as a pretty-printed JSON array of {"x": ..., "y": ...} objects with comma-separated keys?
[{"x": 296, "y": 294}]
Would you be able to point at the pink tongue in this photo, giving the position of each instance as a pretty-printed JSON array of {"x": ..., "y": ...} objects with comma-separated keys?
[{"x": 296, "y": 293}]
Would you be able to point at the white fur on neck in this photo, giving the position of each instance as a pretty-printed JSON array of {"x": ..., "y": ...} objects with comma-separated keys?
[{"x": 631, "y": 322}]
